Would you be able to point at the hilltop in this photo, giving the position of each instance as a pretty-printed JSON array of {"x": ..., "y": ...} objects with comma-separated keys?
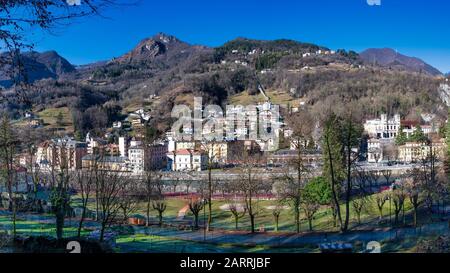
[
  {"x": 387, "y": 57},
  {"x": 173, "y": 71}
]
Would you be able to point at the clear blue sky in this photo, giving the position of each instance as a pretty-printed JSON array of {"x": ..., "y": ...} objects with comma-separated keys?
[{"x": 415, "y": 27}]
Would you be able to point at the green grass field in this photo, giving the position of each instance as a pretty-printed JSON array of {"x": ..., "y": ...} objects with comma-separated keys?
[
  {"x": 276, "y": 97},
  {"x": 152, "y": 241},
  {"x": 323, "y": 220},
  {"x": 50, "y": 115}
]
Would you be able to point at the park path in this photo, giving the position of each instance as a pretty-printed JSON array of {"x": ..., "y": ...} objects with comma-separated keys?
[
  {"x": 182, "y": 212},
  {"x": 297, "y": 240}
]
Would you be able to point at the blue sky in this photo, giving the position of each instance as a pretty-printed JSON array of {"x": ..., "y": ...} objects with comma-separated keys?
[{"x": 416, "y": 27}]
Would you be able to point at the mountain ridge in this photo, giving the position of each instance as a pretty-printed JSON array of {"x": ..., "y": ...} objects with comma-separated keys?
[
  {"x": 37, "y": 66},
  {"x": 387, "y": 57}
]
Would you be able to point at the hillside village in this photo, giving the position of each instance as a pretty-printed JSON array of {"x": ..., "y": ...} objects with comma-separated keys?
[
  {"x": 254, "y": 128},
  {"x": 388, "y": 140}
]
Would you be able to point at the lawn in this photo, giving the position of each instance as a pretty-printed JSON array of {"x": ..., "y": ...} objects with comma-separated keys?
[
  {"x": 36, "y": 228},
  {"x": 50, "y": 115},
  {"x": 276, "y": 97},
  {"x": 164, "y": 244},
  {"x": 150, "y": 241},
  {"x": 322, "y": 220}
]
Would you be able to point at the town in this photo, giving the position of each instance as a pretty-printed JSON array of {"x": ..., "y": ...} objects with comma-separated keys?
[
  {"x": 389, "y": 152},
  {"x": 387, "y": 141},
  {"x": 250, "y": 129}
]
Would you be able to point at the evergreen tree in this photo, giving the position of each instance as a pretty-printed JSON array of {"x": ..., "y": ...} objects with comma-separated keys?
[
  {"x": 333, "y": 167},
  {"x": 401, "y": 138},
  {"x": 418, "y": 135}
]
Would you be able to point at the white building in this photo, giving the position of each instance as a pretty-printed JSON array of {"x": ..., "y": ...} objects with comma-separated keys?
[
  {"x": 141, "y": 159},
  {"x": 136, "y": 157},
  {"x": 374, "y": 151},
  {"x": 123, "y": 146},
  {"x": 187, "y": 160},
  {"x": 383, "y": 128}
]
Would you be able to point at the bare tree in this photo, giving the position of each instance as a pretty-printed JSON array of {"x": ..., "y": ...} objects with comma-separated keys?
[
  {"x": 250, "y": 186},
  {"x": 160, "y": 206},
  {"x": 414, "y": 184},
  {"x": 31, "y": 137},
  {"x": 387, "y": 175},
  {"x": 209, "y": 148},
  {"x": 196, "y": 206},
  {"x": 20, "y": 18},
  {"x": 188, "y": 183},
  {"x": 60, "y": 196},
  {"x": 238, "y": 211},
  {"x": 175, "y": 183},
  {"x": 109, "y": 186},
  {"x": 276, "y": 212},
  {"x": 381, "y": 200},
  {"x": 8, "y": 146},
  {"x": 359, "y": 204},
  {"x": 84, "y": 183},
  {"x": 398, "y": 199},
  {"x": 302, "y": 124},
  {"x": 128, "y": 201},
  {"x": 151, "y": 182}
]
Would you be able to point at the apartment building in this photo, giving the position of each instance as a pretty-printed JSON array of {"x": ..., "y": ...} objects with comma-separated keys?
[
  {"x": 61, "y": 153},
  {"x": 415, "y": 151}
]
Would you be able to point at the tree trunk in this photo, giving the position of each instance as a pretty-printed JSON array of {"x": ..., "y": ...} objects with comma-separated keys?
[
  {"x": 80, "y": 224},
  {"x": 160, "y": 218},
  {"x": 96, "y": 206},
  {"x": 310, "y": 223},
  {"x": 147, "y": 222},
  {"x": 252, "y": 223},
  {"x": 102, "y": 231},
  {"x": 59, "y": 224},
  {"x": 348, "y": 190},
  {"x": 14, "y": 219},
  {"x": 415, "y": 216},
  {"x": 333, "y": 183},
  {"x": 209, "y": 198},
  {"x": 334, "y": 216},
  {"x": 196, "y": 221}
]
